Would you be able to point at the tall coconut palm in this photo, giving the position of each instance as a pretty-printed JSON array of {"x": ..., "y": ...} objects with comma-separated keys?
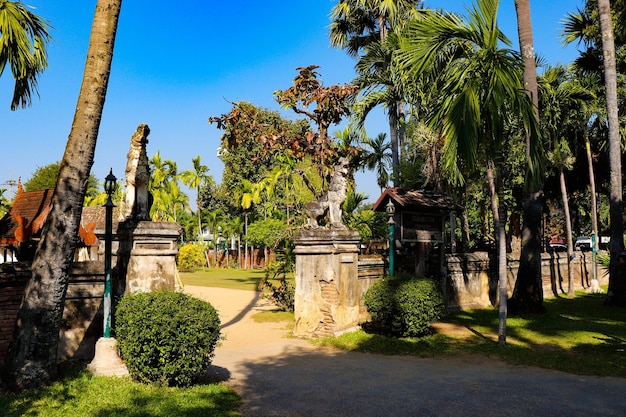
[
  {"x": 364, "y": 26},
  {"x": 31, "y": 359},
  {"x": 168, "y": 200},
  {"x": 213, "y": 220},
  {"x": 528, "y": 292},
  {"x": 381, "y": 84},
  {"x": 378, "y": 158},
  {"x": 4, "y": 202},
  {"x": 196, "y": 179},
  {"x": 162, "y": 171},
  {"x": 483, "y": 91},
  {"x": 23, "y": 40},
  {"x": 562, "y": 101},
  {"x": 617, "y": 279},
  {"x": 236, "y": 227},
  {"x": 358, "y": 23},
  {"x": 247, "y": 194}
]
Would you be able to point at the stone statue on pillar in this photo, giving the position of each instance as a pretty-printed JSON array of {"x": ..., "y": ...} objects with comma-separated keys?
[
  {"x": 147, "y": 249},
  {"x": 138, "y": 200},
  {"x": 328, "y": 293},
  {"x": 329, "y": 204}
]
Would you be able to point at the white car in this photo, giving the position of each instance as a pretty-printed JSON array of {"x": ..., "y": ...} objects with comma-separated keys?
[{"x": 583, "y": 243}]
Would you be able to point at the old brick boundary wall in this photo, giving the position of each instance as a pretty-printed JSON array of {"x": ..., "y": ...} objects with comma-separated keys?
[
  {"x": 82, "y": 317},
  {"x": 471, "y": 280}
]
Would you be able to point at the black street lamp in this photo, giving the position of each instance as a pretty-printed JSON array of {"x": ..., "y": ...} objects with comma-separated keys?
[
  {"x": 110, "y": 184},
  {"x": 390, "y": 208}
]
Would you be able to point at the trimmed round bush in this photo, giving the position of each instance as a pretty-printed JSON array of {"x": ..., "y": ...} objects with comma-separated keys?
[
  {"x": 166, "y": 337},
  {"x": 405, "y": 306},
  {"x": 190, "y": 257}
]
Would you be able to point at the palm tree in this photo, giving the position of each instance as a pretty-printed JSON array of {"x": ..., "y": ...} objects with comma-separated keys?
[
  {"x": 247, "y": 194},
  {"x": 617, "y": 279},
  {"x": 358, "y": 23},
  {"x": 213, "y": 220},
  {"x": 31, "y": 359},
  {"x": 236, "y": 226},
  {"x": 4, "y": 202},
  {"x": 196, "y": 179},
  {"x": 528, "y": 292},
  {"x": 562, "y": 101},
  {"x": 364, "y": 26},
  {"x": 23, "y": 41},
  {"x": 162, "y": 171},
  {"x": 380, "y": 83},
  {"x": 483, "y": 90},
  {"x": 584, "y": 27},
  {"x": 378, "y": 158}
]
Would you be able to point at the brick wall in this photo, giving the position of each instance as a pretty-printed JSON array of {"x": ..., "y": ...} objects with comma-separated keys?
[
  {"x": 13, "y": 278},
  {"x": 82, "y": 316},
  {"x": 472, "y": 280}
]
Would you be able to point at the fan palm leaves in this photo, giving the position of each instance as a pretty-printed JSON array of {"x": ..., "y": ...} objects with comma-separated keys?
[
  {"x": 23, "y": 40},
  {"x": 378, "y": 158},
  {"x": 482, "y": 92},
  {"x": 196, "y": 178}
]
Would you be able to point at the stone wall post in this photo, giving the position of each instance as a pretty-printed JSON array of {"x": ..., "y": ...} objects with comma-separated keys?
[
  {"x": 328, "y": 294},
  {"x": 147, "y": 256}
]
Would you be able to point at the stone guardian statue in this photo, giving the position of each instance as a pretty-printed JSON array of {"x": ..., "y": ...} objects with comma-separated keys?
[
  {"x": 138, "y": 200},
  {"x": 329, "y": 204}
]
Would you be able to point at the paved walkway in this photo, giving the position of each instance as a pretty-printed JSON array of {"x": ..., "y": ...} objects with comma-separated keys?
[{"x": 279, "y": 376}]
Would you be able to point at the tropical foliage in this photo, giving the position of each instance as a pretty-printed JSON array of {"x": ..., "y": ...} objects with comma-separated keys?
[{"x": 24, "y": 37}]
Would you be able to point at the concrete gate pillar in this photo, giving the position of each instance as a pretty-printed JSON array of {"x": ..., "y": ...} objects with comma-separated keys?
[
  {"x": 147, "y": 256},
  {"x": 327, "y": 289}
]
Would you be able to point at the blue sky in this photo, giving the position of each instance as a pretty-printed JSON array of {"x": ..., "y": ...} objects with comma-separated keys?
[{"x": 178, "y": 63}]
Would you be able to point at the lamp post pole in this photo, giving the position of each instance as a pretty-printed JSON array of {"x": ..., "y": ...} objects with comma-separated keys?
[
  {"x": 109, "y": 188},
  {"x": 391, "y": 211},
  {"x": 106, "y": 360}
]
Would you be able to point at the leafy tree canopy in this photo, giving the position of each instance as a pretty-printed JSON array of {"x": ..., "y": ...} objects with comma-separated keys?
[
  {"x": 268, "y": 233},
  {"x": 45, "y": 177}
]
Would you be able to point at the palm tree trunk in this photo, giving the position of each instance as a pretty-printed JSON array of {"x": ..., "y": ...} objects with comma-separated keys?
[
  {"x": 246, "y": 244},
  {"x": 32, "y": 356},
  {"x": 395, "y": 150},
  {"x": 568, "y": 231},
  {"x": 617, "y": 279},
  {"x": 528, "y": 292},
  {"x": 401, "y": 127},
  {"x": 498, "y": 215},
  {"x": 199, "y": 205},
  {"x": 595, "y": 285}
]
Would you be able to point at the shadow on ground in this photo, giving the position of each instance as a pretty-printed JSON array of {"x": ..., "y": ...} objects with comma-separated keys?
[{"x": 301, "y": 382}]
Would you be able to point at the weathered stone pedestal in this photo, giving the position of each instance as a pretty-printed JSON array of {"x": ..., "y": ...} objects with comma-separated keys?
[
  {"x": 327, "y": 289},
  {"x": 147, "y": 255},
  {"x": 106, "y": 361}
]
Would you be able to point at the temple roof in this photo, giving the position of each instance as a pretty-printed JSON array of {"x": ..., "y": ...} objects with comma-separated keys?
[
  {"x": 416, "y": 200},
  {"x": 97, "y": 215},
  {"x": 26, "y": 216},
  {"x": 29, "y": 212}
]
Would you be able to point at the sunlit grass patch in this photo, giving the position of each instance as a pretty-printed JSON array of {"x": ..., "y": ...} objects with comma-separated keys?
[
  {"x": 273, "y": 316},
  {"x": 80, "y": 394}
]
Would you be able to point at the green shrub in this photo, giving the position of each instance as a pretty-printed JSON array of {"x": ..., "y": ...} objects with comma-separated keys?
[
  {"x": 281, "y": 294},
  {"x": 165, "y": 337},
  {"x": 405, "y": 306},
  {"x": 190, "y": 257}
]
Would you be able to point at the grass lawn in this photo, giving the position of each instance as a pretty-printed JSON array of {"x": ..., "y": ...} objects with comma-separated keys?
[
  {"x": 240, "y": 279},
  {"x": 79, "y": 394},
  {"x": 579, "y": 335}
]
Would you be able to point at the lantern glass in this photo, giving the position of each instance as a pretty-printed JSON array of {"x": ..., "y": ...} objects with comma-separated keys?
[
  {"x": 110, "y": 183},
  {"x": 390, "y": 208}
]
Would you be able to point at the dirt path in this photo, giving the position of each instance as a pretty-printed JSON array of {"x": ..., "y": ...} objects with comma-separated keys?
[{"x": 282, "y": 376}]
